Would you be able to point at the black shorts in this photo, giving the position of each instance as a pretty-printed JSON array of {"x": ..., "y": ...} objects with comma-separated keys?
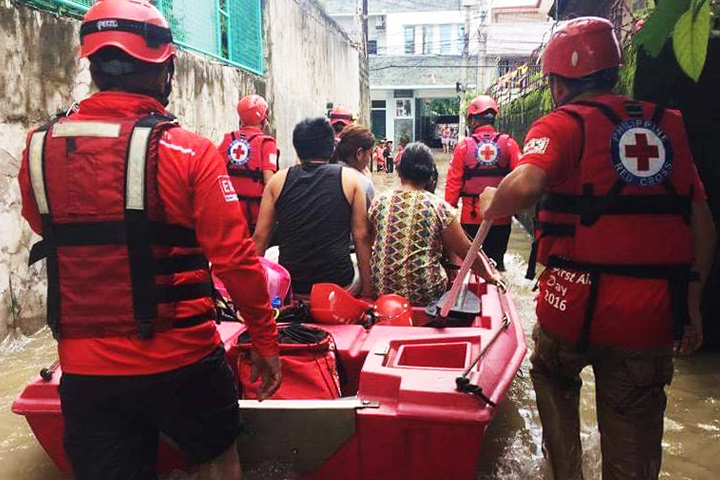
[
  {"x": 113, "y": 423},
  {"x": 495, "y": 245}
]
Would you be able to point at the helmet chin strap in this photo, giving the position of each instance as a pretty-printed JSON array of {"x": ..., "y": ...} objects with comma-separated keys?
[{"x": 164, "y": 99}]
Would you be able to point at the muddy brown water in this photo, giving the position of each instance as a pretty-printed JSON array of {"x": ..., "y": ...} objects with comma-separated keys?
[{"x": 512, "y": 446}]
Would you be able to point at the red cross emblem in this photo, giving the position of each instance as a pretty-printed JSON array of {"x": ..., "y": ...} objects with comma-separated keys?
[
  {"x": 642, "y": 152},
  {"x": 487, "y": 152},
  {"x": 239, "y": 152}
]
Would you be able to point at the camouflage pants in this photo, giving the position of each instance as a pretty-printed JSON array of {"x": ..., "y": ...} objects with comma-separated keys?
[{"x": 630, "y": 395}]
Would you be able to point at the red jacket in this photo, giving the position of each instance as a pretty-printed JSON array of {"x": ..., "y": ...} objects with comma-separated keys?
[
  {"x": 456, "y": 176},
  {"x": 610, "y": 143},
  {"x": 195, "y": 192}
]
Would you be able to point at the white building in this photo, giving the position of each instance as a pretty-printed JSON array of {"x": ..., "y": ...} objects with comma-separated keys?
[{"x": 418, "y": 52}]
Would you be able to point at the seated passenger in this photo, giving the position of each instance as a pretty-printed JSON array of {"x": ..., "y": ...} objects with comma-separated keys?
[
  {"x": 411, "y": 228},
  {"x": 354, "y": 151},
  {"x": 317, "y": 207}
]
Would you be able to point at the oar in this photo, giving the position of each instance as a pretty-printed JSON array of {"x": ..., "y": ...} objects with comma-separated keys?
[{"x": 470, "y": 257}]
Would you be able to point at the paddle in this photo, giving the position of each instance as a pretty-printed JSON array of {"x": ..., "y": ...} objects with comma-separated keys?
[{"x": 470, "y": 257}]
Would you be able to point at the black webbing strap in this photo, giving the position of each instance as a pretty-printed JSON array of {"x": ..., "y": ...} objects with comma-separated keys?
[
  {"x": 591, "y": 205},
  {"x": 256, "y": 175},
  {"x": 658, "y": 115},
  {"x": 182, "y": 292},
  {"x": 53, "y": 273},
  {"x": 180, "y": 264},
  {"x": 608, "y": 112},
  {"x": 485, "y": 172},
  {"x": 139, "y": 244},
  {"x": 154, "y": 35},
  {"x": 546, "y": 229},
  {"x": 584, "y": 339},
  {"x": 112, "y": 233}
]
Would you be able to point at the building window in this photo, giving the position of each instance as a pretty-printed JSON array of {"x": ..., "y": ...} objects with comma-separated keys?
[
  {"x": 428, "y": 39},
  {"x": 378, "y": 104},
  {"x": 403, "y": 108},
  {"x": 410, "y": 40},
  {"x": 446, "y": 39},
  {"x": 372, "y": 47}
]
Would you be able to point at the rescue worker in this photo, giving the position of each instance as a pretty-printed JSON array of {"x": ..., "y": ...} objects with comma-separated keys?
[
  {"x": 627, "y": 239},
  {"x": 339, "y": 119},
  {"x": 131, "y": 207},
  {"x": 251, "y": 156},
  {"x": 481, "y": 161}
]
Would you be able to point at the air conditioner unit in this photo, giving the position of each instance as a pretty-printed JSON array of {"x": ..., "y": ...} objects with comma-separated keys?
[{"x": 380, "y": 23}]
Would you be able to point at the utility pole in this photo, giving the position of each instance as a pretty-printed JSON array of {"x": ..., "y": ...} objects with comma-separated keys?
[
  {"x": 480, "y": 74},
  {"x": 467, "y": 5}
]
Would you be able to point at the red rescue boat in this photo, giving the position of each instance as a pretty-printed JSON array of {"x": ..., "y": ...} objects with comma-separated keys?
[{"x": 416, "y": 399}]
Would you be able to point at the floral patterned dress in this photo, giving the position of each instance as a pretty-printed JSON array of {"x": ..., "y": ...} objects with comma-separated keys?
[{"x": 408, "y": 244}]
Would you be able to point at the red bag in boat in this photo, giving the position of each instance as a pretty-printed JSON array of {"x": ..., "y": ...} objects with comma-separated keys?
[{"x": 309, "y": 365}]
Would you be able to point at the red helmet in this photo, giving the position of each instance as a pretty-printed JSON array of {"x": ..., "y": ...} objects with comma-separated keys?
[
  {"x": 481, "y": 104},
  {"x": 134, "y": 26},
  {"x": 253, "y": 109},
  {"x": 393, "y": 310},
  {"x": 583, "y": 46},
  {"x": 341, "y": 115}
]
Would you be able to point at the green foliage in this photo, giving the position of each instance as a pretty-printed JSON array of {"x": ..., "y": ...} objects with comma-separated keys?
[
  {"x": 660, "y": 25},
  {"x": 690, "y": 39},
  {"x": 627, "y": 72},
  {"x": 443, "y": 106},
  {"x": 688, "y": 21}
]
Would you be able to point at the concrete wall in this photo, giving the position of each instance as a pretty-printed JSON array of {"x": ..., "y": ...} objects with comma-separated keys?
[{"x": 311, "y": 63}]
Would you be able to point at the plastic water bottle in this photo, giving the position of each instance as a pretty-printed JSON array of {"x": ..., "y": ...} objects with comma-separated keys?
[{"x": 276, "y": 302}]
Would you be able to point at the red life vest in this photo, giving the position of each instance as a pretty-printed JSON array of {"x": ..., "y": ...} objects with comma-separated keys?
[
  {"x": 486, "y": 163},
  {"x": 115, "y": 267},
  {"x": 243, "y": 157},
  {"x": 625, "y": 210}
]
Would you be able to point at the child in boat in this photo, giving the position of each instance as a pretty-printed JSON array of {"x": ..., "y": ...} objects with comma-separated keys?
[
  {"x": 317, "y": 206},
  {"x": 410, "y": 228}
]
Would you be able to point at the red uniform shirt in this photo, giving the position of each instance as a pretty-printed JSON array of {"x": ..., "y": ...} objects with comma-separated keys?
[
  {"x": 630, "y": 312},
  {"x": 193, "y": 190},
  {"x": 454, "y": 183}
]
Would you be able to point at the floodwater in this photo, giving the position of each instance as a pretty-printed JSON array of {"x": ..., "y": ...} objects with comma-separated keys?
[{"x": 512, "y": 447}]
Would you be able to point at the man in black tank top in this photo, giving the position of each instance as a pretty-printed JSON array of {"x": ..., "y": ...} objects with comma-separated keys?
[{"x": 317, "y": 206}]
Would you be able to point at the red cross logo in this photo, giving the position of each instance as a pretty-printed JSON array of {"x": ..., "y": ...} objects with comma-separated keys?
[
  {"x": 642, "y": 151},
  {"x": 488, "y": 152},
  {"x": 239, "y": 151}
]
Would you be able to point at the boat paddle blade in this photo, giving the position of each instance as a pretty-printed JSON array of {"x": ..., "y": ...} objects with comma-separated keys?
[
  {"x": 462, "y": 313},
  {"x": 393, "y": 310},
  {"x": 330, "y": 303}
]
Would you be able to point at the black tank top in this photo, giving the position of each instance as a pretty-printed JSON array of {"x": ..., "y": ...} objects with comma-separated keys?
[{"x": 313, "y": 221}]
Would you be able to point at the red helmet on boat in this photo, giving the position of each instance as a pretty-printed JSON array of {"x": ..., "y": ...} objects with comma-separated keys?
[
  {"x": 481, "y": 104},
  {"x": 583, "y": 46},
  {"x": 331, "y": 304},
  {"x": 252, "y": 109},
  {"x": 392, "y": 309},
  {"x": 341, "y": 115},
  {"x": 134, "y": 26}
]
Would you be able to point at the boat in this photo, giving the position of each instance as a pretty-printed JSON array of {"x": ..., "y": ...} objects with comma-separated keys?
[{"x": 417, "y": 395}]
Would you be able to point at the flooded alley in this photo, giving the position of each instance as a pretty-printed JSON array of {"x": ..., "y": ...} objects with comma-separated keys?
[{"x": 512, "y": 447}]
